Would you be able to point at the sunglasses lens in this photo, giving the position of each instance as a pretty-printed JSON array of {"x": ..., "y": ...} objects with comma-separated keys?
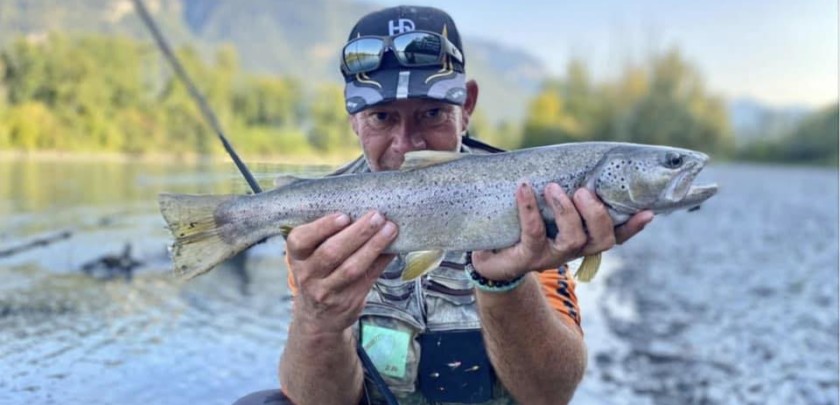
[
  {"x": 418, "y": 49},
  {"x": 362, "y": 55}
]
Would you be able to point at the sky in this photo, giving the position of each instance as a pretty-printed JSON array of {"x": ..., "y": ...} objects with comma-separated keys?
[{"x": 779, "y": 52}]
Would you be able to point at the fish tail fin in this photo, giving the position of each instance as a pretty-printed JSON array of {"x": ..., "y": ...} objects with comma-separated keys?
[
  {"x": 588, "y": 268},
  {"x": 198, "y": 245}
]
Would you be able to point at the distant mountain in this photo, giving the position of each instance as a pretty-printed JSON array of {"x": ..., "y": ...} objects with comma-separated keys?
[
  {"x": 752, "y": 120},
  {"x": 289, "y": 37}
]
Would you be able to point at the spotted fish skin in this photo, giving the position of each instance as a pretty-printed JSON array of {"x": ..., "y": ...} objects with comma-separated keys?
[{"x": 465, "y": 203}]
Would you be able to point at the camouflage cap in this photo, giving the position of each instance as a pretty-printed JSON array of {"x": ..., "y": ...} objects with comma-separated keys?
[{"x": 392, "y": 81}]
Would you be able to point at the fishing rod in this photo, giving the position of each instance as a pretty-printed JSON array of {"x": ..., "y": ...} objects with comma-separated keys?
[
  {"x": 255, "y": 187},
  {"x": 196, "y": 95}
]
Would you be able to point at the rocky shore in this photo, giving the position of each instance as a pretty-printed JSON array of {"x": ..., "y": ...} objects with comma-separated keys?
[{"x": 734, "y": 304}]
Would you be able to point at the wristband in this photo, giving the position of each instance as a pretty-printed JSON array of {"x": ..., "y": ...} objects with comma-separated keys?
[{"x": 485, "y": 284}]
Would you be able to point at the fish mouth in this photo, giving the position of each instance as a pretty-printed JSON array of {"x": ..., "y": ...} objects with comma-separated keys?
[
  {"x": 683, "y": 193},
  {"x": 698, "y": 194}
]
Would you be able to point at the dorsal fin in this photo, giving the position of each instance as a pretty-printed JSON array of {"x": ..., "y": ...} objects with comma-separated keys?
[
  {"x": 425, "y": 158},
  {"x": 286, "y": 179}
]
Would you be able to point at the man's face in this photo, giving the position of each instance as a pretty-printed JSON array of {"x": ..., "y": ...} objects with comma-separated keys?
[{"x": 390, "y": 130}]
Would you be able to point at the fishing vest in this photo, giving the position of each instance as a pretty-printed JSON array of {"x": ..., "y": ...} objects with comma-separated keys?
[{"x": 404, "y": 323}]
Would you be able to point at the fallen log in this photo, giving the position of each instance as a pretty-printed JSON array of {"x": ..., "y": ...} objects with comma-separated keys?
[{"x": 37, "y": 242}]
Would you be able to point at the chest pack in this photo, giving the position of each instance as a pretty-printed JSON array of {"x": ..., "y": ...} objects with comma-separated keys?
[{"x": 424, "y": 337}]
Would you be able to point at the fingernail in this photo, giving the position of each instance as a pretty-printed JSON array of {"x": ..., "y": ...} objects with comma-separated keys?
[
  {"x": 388, "y": 230},
  {"x": 377, "y": 219},
  {"x": 524, "y": 187},
  {"x": 342, "y": 220}
]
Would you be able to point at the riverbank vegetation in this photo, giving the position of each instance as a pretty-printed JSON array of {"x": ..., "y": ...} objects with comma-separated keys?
[{"x": 109, "y": 95}]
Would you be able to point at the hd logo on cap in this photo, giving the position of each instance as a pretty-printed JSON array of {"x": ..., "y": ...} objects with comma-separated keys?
[{"x": 402, "y": 25}]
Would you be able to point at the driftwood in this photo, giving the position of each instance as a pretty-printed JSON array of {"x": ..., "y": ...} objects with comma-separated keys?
[{"x": 37, "y": 242}]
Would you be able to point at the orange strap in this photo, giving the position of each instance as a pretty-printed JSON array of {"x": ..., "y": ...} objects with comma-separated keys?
[{"x": 559, "y": 288}]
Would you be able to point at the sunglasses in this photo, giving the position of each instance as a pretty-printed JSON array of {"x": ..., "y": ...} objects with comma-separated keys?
[{"x": 412, "y": 49}]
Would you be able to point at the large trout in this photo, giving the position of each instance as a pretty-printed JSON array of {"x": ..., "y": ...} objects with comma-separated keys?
[{"x": 441, "y": 201}]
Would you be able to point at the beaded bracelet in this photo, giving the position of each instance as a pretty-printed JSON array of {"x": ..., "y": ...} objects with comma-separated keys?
[{"x": 485, "y": 284}]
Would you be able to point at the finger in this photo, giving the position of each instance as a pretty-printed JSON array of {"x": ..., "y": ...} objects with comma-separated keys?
[
  {"x": 378, "y": 267},
  {"x": 506, "y": 263},
  {"x": 533, "y": 229},
  {"x": 597, "y": 220},
  {"x": 571, "y": 236},
  {"x": 481, "y": 256},
  {"x": 361, "y": 263},
  {"x": 357, "y": 293},
  {"x": 304, "y": 239},
  {"x": 633, "y": 226},
  {"x": 335, "y": 250}
]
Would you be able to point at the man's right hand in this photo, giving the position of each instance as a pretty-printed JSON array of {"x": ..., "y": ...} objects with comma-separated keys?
[{"x": 334, "y": 264}]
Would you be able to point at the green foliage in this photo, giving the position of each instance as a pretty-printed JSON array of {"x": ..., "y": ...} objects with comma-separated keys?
[
  {"x": 814, "y": 140},
  {"x": 329, "y": 128},
  {"x": 98, "y": 94},
  {"x": 31, "y": 126},
  {"x": 118, "y": 95},
  {"x": 662, "y": 103}
]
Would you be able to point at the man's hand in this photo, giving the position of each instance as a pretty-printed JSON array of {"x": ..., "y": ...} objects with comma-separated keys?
[
  {"x": 584, "y": 227},
  {"x": 334, "y": 264}
]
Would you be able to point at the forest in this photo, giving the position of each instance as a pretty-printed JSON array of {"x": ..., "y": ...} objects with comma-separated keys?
[{"x": 106, "y": 94}]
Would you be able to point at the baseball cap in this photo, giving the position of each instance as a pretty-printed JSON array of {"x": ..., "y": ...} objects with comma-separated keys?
[{"x": 392, "y": 81}]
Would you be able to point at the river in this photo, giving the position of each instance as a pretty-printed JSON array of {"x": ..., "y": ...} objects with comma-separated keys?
[{"x": 735, "y": 303}]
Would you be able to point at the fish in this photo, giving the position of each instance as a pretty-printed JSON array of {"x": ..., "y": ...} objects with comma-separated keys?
[{"x": 441, "y": 201}]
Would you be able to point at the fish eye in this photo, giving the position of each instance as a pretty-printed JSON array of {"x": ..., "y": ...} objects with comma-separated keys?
[{"x": 673, "y": 160}]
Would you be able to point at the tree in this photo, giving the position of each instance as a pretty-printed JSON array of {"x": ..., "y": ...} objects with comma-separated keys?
[
  {"x": 815, "y": 139},
  {"x": 548, "y": 119},
  {"x": 677, "y": 111},
  {"x": 328, "y": 130},
  {"x": 31, "y": 126},
  {"x": 663, "y": 103}
]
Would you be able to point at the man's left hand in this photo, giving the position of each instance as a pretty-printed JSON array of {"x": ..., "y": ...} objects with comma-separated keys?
[{"x": 584, "y": 227}]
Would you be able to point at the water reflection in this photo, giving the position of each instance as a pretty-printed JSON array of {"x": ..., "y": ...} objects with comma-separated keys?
[{"x": 76, "y": 337}]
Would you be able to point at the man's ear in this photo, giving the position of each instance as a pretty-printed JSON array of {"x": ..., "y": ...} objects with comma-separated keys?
[{"x": 470, "y": 102}]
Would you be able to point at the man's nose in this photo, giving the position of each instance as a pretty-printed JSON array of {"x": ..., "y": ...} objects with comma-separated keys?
[{"x": 407, "y": 138}]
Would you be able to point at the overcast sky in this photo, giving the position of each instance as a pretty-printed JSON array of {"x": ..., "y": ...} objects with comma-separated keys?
[{"x": 780, "y": 52}]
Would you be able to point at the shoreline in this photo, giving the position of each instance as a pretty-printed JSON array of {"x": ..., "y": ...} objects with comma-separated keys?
[{"x": 309, "y": 158}]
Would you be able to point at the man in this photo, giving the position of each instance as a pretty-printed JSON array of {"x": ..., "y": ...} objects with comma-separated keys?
[{"x": 430, "y": 339}]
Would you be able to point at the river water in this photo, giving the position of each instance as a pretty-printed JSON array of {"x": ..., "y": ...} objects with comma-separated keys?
[{"x": 736, "y": 303}]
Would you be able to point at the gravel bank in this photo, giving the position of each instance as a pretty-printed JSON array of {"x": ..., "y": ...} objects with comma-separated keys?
[{"x": 734, "y": 304}]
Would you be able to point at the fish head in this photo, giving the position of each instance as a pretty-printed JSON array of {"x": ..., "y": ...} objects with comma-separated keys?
[{"x": 632, "y": 178}]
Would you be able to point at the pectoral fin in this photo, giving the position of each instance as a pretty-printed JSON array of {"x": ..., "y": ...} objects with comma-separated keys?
[
  {"x": 420, "y": 263},
  {"x": 588, "y": 268}
]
